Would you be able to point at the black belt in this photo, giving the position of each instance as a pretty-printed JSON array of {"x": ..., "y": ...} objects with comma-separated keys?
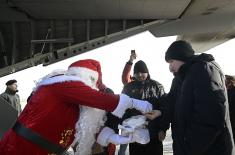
[{"x": 35, "y": 138}]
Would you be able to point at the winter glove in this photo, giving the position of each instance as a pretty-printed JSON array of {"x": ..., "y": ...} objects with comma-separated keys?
[
  {"x": 125, "y": 102},
  {"x": 118, "y": 139},
  {"x": 107, "y": 135},
  {"x": 141, "y": 135},
  {"x": 143, "y": 106}
]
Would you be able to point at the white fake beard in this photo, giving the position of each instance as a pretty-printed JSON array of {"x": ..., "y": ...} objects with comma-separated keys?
[{"x": 89, "y": 123}]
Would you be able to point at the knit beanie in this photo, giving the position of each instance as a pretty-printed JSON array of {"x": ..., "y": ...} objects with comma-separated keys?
[
  {"x": 179, "y": 50},
  {"x": 10, "y": 82},
  {"x": 140, "y": 67}
]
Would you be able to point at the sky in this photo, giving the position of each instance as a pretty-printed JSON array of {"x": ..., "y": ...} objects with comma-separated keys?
[{"x": 113, "y": 57}]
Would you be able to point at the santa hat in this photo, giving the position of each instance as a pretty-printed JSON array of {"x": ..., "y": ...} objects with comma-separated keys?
[{"x": 89, "y": 70}]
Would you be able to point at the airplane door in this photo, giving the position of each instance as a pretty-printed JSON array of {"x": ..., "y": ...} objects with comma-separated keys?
[{"x": 8, "y": 116}]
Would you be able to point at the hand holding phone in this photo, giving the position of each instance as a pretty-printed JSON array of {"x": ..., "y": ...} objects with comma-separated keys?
[{"x": 133, "y": 55}]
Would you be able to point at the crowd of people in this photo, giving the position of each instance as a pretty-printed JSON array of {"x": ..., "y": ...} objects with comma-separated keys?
[{"x": 73, "y": 109}]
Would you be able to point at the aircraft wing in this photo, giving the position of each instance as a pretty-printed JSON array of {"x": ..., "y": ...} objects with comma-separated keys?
[
  {"x": 204, "y": 42},
  {"x": 205, "y": 24},
  {"x": 47, "y": 31}
]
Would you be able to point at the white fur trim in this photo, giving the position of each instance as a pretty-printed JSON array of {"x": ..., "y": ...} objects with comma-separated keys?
[
  {"x": 57, "y": 79},
  {"x": 125, "y": 102},
  {"x": 104, "y": 135},
  {"x": 85, "y": 75},
  {"x": 89, "y": 76}
]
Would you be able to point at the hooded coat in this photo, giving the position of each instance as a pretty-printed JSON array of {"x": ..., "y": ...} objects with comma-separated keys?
[{"x": 199, "y": 109}]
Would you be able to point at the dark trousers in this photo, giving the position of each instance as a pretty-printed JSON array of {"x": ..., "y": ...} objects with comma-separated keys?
[{"x": 154, "y": 147}]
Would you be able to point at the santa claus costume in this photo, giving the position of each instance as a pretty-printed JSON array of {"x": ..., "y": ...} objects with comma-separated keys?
[{"x": 47, "y": 124}]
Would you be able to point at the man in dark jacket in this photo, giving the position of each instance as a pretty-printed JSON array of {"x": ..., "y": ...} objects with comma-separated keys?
[
  {"x": 230, "y": 85},
  {"x": 144, "y": 88},
  {"x": 11, "y": 96},
  {"x": 198, "y": 103}
]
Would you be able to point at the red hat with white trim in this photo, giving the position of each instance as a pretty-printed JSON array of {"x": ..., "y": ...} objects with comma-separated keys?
[{"x": 89, "y": 69}]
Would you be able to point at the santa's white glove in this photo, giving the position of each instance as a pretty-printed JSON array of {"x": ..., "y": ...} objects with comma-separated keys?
[
  {"x": 107, "y": 135},
  {"x": 125, "y": 102},
  {"x": 141, "y": 135},
  {"x": 118, "y": 139},
  {"x": 143, "y": 106}
]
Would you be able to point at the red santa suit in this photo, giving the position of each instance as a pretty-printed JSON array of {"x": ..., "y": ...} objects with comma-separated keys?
[{"x": 54, "y": 109}]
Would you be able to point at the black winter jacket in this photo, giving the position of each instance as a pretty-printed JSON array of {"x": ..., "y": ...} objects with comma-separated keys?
[
  {"x": 148, "y": 90},
  {"x": 199, "y": 109},
  {"x": 231, "y": 101}
]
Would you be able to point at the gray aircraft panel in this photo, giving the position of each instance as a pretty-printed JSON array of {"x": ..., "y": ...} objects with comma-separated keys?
[{"x": 8, "y": 116}]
